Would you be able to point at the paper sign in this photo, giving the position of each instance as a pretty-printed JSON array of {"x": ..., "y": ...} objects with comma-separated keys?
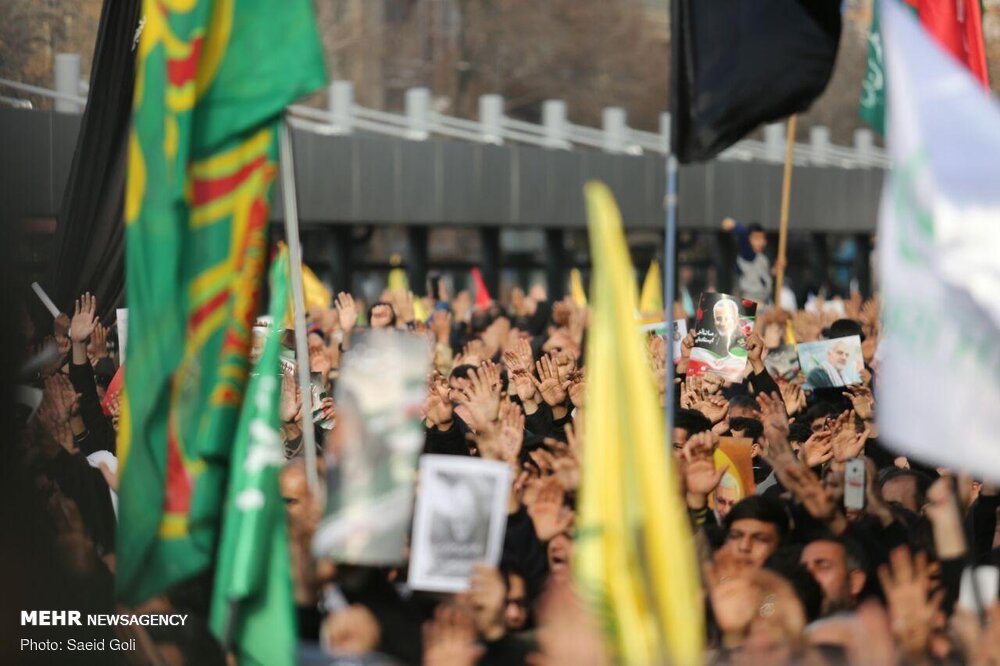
[
  {"x": 679, "y": 331},
  {"x": 372, "y": 451},
  {"x": 831, "y": 363},
  {"x": 121, "y": 315},
  {"x": 974, "y": 600},
  {"x": 737, "y": 483},
  {"x": 722, "y": 325},
  {"x": 460, "y": 520},
  {"x": 783, "y": 362}
]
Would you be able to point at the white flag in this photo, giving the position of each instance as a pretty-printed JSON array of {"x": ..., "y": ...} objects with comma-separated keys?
[{"x": 939, "y": 239}]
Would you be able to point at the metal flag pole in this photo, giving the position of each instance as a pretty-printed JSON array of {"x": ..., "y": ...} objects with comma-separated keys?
[
  {"x": 298, "y": 301},
  {"x": 669, "y": 270}
]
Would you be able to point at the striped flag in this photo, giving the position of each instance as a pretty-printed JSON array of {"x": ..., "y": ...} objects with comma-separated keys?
[{"x": 212, "y": 80}]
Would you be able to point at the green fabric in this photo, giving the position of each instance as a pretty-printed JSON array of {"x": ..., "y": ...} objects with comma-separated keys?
[
  {"x": 211, "y": 83},
  {"x": 872, "y": 103},
  {"x": 252, "y": 604}
]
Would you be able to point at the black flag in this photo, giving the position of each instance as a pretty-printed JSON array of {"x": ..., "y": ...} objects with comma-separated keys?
[
  {"x": 739, "y": 63},
  {"x": 90, "y": 236}
]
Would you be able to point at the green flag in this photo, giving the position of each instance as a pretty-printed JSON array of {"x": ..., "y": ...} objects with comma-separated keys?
[
  {"x": 252, "y": 606},
  {"x": 872, "y": 107},
  {"x": 212, "y": 80},
  {"x": 872, "y": 103}
]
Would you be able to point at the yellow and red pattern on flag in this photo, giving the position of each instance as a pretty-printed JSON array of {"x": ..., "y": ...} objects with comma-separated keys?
[{"x": 212, "y": 79}]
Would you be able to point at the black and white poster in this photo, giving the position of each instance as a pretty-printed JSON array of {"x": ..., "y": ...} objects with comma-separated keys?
[{"x": 460, "y": 520}]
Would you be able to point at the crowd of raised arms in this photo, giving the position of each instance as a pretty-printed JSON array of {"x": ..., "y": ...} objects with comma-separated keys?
[{"x": 789, "y": 575}]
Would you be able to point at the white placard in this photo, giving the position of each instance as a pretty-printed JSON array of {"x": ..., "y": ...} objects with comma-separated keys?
[
  {"x": 121, "y": 314},
  {"x": 460, "y": 520}
]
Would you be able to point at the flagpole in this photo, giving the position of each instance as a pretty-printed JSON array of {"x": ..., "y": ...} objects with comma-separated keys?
[
  {"x": 298, "y": 301},
  {"x": 669, "y": 261},
  {"x": 786, "y": 195}
]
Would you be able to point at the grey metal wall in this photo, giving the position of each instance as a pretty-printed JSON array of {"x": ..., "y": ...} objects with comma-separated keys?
[{"x": 375, "y": 179}]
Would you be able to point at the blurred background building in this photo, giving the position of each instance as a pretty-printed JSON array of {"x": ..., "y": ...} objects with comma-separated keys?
[{"x": 592, "y": 55}]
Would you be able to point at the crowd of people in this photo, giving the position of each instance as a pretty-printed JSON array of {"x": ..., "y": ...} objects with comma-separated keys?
[{"x": 789, "y": 574}]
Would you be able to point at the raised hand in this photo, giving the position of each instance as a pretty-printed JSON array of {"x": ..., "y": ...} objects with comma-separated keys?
[
  {"x": 98, "y": 347},
  {"x": 906, "y": 582},
  {"x": 731, "y": 594},
  {"x": 793, "y": 397},
  {"x": 578, "y": 388},
  {"x": 807, "y": 487},
  {"x": 404, "y": 306},
  {"x": 291, "y": 399},
  {"x": 700, "y": 475},
  {"x": 488, "y": 595},
  {"x": 755, "y": 352},
  {"x": 714, "y": 407},
  {"x": 774, "y": 417},
  {"x": 441, "y": 326},
  {"x": 548, "y": 512},
  {"x": 472, "y": 353},
  {"x": 511, "y": 431},
  {"x": 347, "y": 311},
  {"x": 319, "y": 359},
  {"x": 521, "y": 376},
  {"x": 846, "y": 441},
  {"x": 84, "y": 319},
  {"x": 481, "y": 397},
  {"x": 942, "y": 509},
  {"x": 862, "y": 401},
  {"x": 687, "y": 344},
  {"x": 450, "y": 638},
  {"x": 816, "y": 450},
  {"x": 549, "y": 384},
  {"x": 563, "y": 461},
  {"x": 438, "y": 409}
]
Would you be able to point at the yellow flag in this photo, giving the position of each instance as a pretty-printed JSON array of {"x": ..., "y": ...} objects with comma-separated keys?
[
  {"x": 576, "y": 288},
  {"x": 789, "y": 333},
  {"x": 317, "y": 296},
  {"x": 398, "y": 280},
  {"x": 651, "y": 299},
  {"x": 635, "y": 556}
]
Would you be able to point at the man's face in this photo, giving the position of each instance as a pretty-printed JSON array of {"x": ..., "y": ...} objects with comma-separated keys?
[
  {"x": 515, "y": 612},
  {"x": 751, "y": 541},
  {"x": 725, "y": 498},
  {"x": 725, "y": 318},
  {"x": 740, "y": 411},
  {"x": 455, "y": 387},
  {"x": 758, "y": 241},
  {"x": 902, "y": 489},
  {"x": 827, "y": 562},
  {"x": 772, "y": 335},
  {"x": 680, "y": 439},
  {"x": 381, "y": 316},
  {"x": 838, "y": 356},
  {"x": 560, "y": 555},
  {"x": 295, "y": 492}
]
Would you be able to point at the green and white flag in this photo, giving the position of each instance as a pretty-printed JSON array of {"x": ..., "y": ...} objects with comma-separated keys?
[
  {"x": 939, "y": 239},
  {"x": 872, "y": 103},
  {"x": 252, "y": 605}
]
